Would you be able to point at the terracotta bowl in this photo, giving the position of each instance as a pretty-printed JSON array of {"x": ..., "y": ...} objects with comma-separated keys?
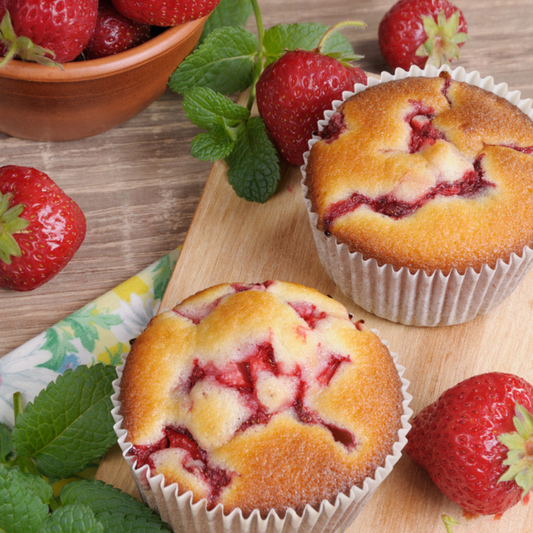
[{"x": 89, "y": 97}]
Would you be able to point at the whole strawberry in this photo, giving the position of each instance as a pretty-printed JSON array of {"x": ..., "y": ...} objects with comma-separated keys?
[
  {"x": 114, "y": 33},
  {"x": 476, "y": 442},
  {"x": 40, "y": 228},
  {"x": 420, "y": 32},
  {"x": 57, "y": 29},
  {"x": 293, "y": 93},
  {"x": 165, "y": 12}
]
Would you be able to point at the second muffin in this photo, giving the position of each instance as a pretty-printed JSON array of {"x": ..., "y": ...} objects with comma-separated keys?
[
  {"x": 431, "y": 175},
  {"x": 263, "y": 398}
]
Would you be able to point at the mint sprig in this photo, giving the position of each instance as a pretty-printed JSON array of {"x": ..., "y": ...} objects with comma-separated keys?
[
  {"x": 72, "y": 518},
  {"x": 229, "y": 60},
  {"x": 227, "y": 13},
  {"x": 23, "y": 501},
  {"x": 224, "y": 62},
  {"x": 253, "y": 164},
  {"x": 305, "y": 36},
  {"x": 67, "y": 425}
]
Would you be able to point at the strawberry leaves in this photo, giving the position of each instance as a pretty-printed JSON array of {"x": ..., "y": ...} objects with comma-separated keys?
[
  {"x": 520, "y": 455},
  {"x": 230, "y": 60},
  {"x": 10, "y": 222}
]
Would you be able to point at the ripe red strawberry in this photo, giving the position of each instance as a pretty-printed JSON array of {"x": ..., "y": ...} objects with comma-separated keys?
[
  {"x": 165, "y": 12},
  {"x": 114, "y": 33},
  {"x": 293, "y": 93},
  {"x": 416, "y": 32},
  {"x": 40, "y": 228},
  {"x": 61, "y": 27},
  {"x": 472, "y": 447}
]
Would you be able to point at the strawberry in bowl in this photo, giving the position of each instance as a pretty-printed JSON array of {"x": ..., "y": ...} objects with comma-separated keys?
[
  {"x": 476, "y": 442},
  {"x": 41, "y": 228}
]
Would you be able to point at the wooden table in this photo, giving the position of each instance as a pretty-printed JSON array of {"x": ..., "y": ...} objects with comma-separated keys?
[{"x": 139, "y": 189}]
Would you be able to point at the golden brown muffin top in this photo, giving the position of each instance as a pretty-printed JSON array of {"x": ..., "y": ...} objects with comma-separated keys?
[
  {"x": 262, "y": 396},
  {"x": 426, "y": 173}
]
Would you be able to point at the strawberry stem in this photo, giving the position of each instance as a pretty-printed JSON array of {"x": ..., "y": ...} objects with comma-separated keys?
[
  {"x": 336, "y": 27},
  {"x": 449, "y": 522},
  {"x": 22, "y": 46},
  {"x": 260, "y": 54}
]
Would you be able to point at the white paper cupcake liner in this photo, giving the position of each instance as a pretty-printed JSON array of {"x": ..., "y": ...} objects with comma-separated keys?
[
  {"x": 184, "y": 516},
  {"x": 416, "y": 298}
]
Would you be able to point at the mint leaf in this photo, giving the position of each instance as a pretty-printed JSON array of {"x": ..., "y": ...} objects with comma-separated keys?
[
  {"x": 23, "y": 499},
  {"x": 227, "y": 13},
  {"x": 224, "y": 62},
  {"x": 253, "y": 164},
  {"x": 212, "y": 146},
  {"x": 120, "y": 523},
  {"x": 72, "y": 519},
  {"x": 102, "y": 498},
  {"x": 69, "y": 424},
  {"x": 6, "y": 446},
  {"x": 305, "y": 36},
  {"x": 207, "y": 108}
]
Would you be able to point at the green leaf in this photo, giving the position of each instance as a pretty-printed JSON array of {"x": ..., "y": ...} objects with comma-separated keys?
[
  {"x": 69, "y": 424},
  {"x": 6, "y": 446},
  {"x": 212, "y": 146},
  {"x": 120, "y": 523},
  {"x": 305, "y": 36},
  {"x": 207, "y": 109},
  {"x": 72, "y": 518},
  {"x": 23, "y": 501},
  {"x": 227, "y": 13},
  {"x": 253, "y": 164},
  {"x": 102, "y": 498},
  {"x": 224, "y": 62}
]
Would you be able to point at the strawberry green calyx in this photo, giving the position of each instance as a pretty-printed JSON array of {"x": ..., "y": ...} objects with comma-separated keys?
[
  {"x": 443, "y": 39},
  {"x": 22, "y": 46},
  {"x": 520, "y": 455},
  {"x": 10, "y": 222}
]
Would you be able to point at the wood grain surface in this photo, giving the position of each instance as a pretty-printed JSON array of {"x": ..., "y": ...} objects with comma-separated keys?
[{"x": 140, "y": 190}]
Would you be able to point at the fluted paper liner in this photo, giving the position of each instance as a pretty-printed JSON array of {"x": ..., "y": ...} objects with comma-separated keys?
[
  {"x": 414, "y": 297},
  {"x": 185, "y": 516}
]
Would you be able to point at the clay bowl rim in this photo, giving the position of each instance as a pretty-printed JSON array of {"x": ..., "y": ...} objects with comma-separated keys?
[{"x": 106, "y": 66}]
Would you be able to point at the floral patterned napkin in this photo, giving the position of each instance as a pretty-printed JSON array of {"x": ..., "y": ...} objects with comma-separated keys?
[{"x": 98, "y": 332}]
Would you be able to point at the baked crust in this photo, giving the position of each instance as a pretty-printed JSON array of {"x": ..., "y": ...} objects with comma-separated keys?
[
  {"x": 262, "y": 396},
  {"x": 440, "y": 172}
]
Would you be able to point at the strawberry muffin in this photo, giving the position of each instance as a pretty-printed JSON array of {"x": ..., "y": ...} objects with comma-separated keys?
[
  {"x": 426, "y": 183},
  {"x": 264, "y": 399}
]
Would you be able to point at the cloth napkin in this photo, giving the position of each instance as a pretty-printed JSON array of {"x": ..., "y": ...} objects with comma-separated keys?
[{"x": 100, "y": 331}]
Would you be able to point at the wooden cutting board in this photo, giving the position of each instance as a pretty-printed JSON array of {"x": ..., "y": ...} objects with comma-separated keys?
[{"x": 231, "y": 240}]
